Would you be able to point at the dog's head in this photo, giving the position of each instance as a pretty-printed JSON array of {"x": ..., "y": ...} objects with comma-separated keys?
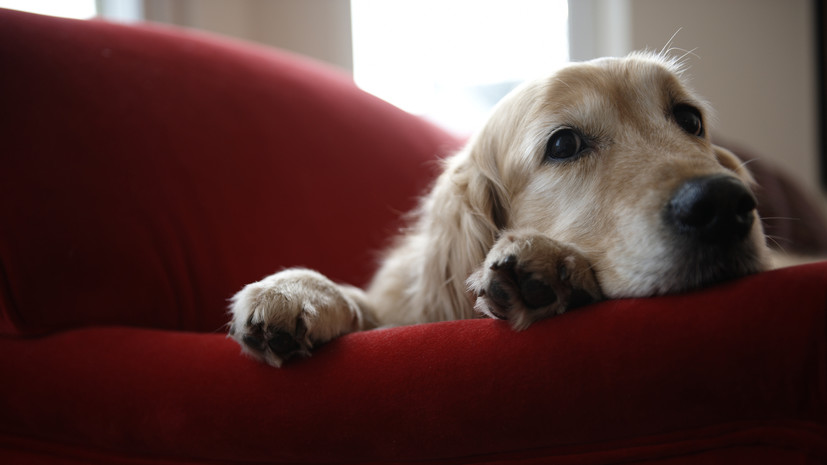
[{"x": 614, "y": 156}]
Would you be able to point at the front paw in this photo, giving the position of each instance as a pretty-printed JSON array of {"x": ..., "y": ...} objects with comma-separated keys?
[
  {"x": 526, "y": 278},
  {"x": 289, "y": 313}
]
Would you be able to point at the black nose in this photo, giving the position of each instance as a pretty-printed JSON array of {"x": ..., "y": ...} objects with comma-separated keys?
[{"x": 712, "y": 209}]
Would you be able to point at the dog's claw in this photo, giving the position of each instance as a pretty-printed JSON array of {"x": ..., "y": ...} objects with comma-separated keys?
[{"x": 508, "y": 262}]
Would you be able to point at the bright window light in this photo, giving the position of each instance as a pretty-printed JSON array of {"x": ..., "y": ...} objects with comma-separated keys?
[
  {"x": 79, "y": 9},
  {"x": 452, "y": 60}
]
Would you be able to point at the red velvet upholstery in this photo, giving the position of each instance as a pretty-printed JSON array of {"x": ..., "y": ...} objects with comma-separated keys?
[{"x": 147, "y": 174}]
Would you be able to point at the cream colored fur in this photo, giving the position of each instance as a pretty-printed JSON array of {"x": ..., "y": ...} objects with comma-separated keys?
[{"x": 502, "y": 213}]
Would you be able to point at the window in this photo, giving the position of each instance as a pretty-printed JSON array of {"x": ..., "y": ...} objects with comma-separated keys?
[
  {"x": 452, "y": 60},
  {"x": 79, "y": 9}
]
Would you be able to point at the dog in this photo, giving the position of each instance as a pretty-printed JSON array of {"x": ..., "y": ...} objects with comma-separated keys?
[{"x": 597, "y": 182}]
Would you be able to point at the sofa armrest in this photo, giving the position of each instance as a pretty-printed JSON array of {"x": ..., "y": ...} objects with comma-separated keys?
[{"x": 149, "y": 173}]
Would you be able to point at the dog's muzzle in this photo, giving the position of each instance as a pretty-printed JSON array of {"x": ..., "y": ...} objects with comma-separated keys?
[{"x": 712, "y": 210}]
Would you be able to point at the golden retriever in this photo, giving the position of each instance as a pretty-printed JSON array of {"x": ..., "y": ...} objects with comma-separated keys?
[{"x": 599, "y": 181}]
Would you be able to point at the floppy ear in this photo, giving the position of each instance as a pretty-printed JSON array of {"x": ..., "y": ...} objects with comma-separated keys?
[
  {"x": 478, "y": 181},
  {"x": 481, "y": 201},
  {"x": 460, "y": 221},
  {"x": 451, "y": 233}
]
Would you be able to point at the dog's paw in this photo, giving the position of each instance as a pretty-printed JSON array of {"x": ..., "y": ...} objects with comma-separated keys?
[
  {"x": 526, "y": 278},
  {"x": 289, "y": 313}
]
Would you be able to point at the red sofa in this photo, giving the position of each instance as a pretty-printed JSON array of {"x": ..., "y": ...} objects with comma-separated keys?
[{"x": 146, "y": 174}]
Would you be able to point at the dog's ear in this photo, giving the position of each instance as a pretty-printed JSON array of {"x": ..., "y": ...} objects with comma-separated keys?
[
  {"x": 478, "y": 182},
  {"x": 498, "y": 211},
  {"x": 485, "y": 196},
  {"x": 456, "y": 226},
  {"x": 464, "y": 214}
]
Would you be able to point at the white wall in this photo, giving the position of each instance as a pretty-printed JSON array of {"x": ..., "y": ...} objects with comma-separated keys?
[
  {"x": 754, "y": 63},
  {"x": 316, "y": 28}
]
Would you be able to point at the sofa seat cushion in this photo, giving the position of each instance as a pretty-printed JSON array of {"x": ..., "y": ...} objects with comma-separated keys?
[{"x": 738, "y": 369}]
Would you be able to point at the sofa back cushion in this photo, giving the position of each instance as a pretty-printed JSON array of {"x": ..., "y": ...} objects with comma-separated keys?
[{"x": 147, "y": 173}]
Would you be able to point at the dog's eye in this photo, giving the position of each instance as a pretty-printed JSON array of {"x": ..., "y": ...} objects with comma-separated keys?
[
  {"x": 689, "y": 118},
  {"x": 564, "y": 144}
]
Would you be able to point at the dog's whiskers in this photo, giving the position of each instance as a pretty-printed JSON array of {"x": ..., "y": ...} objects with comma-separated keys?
[
  {"x": 668, "y": 46},
  {"x": 780, "y": 218},
  {"x": 775, "y": 241},
  {"x": 679, "y": 62},
  {"x": 744, "y": 163}
]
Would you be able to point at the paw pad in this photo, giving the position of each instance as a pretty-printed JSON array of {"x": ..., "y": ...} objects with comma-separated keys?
[{"x": 536, "y": 293}]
